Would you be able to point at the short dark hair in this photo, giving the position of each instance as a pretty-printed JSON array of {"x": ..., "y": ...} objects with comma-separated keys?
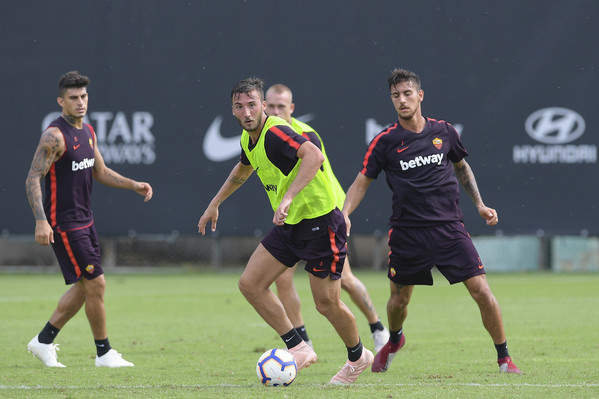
[
  {"x": 72, "y": 79},
  {"x": 247, "y": 85},
  {"x": 399, "y": 75}
]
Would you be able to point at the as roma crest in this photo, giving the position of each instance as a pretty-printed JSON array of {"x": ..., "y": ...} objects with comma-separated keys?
[{"x": 437, "y": 142}]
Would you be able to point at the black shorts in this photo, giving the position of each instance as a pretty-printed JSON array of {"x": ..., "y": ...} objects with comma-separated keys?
[
  {"x": 414, "y": 251},
  {"x": 78, "y": 253},
  {"x": 320, "y": 241}
]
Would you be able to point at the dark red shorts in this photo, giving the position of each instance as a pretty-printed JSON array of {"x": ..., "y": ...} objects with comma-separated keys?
[
  {"x": 414, "y": 251},
  {"x": 321, "y": 242},
  {"x": 78, "y": 253}
]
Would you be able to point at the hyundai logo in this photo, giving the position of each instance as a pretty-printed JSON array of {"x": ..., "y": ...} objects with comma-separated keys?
[{"x": 554, "y": 125}]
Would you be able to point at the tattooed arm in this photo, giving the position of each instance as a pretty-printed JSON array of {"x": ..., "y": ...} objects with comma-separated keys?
[
  {"x": 105, "y": 175},
  {"x": 237, "y": 177},
  {"x": 50, "y": 148},
  {"x": 464, "y": 174}
]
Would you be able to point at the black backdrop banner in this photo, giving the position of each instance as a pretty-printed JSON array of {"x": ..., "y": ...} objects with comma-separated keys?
[{"x": 518, "y": 79}]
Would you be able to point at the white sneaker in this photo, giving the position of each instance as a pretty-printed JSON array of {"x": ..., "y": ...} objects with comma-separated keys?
[
  {"x": 112, "y": 359},
  {"x": 380, "y": 338},
  {"x": 45, "y": 352}
]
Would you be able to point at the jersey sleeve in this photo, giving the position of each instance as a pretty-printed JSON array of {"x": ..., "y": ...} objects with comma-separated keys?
[
  {"x": 281, "y": 144},
  {"x": 457, "y": 152},
  {"x": 375, "y": 157},
  {"x": 243, "y": 158},
  {"x": 314, "y": 139}
]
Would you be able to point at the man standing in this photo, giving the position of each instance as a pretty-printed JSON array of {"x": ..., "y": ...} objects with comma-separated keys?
[
  {"x": 420, "y": 156},
  {"x": 67, "y": 157},
  {"x": 307, "y": 226},
  {"x": 279, "y": 102}
]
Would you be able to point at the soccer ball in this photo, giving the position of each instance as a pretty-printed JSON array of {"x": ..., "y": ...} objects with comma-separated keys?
[{"x": 276, "y": 367}]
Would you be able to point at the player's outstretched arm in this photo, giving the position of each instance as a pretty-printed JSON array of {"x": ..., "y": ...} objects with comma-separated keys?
[
  {"x": 465, "y": 175},
  {"x": 354, "y": 196},
  {"x": 109, "y": 177},
  {"x": 239, "y": 174},
  {"x": 50, "y": 148}
]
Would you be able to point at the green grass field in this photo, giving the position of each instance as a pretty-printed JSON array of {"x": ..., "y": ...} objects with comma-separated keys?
[{"x": 194, "y": 335}]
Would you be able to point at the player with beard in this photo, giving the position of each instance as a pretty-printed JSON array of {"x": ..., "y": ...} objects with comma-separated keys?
[
  {"x": 424, "y": 165},
  {"x": 307, "y": 225}
]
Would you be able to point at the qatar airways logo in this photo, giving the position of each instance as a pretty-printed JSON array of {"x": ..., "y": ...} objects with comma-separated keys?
[
  {"x": 86, "y": 163},
  {"x": 421, "y": 161},
  {"x": 121, "y": 139}
]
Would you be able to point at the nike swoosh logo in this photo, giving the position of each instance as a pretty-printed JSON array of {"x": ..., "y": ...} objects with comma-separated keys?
[
  {"x": 287, "y": 340},
  {"x": 319, "y": 270},
  {"x": 480, "y": 266},
  {"x": 218, "y": 148},
  {"x": 402, "y": 149},
  {"x": 76, "y": 146},
  {"x": 305, "y": 118}
]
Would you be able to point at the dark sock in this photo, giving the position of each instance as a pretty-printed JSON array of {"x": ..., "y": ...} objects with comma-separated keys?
[
  {"x": 376, "y": 326},
  {"x": 292, "y": 338},
  {"x": 395, "y": 336},
  {"x": 354, "y": 353},
  {"x": 102, "y": 346},
  {"x": 48, "y": 333},
  {"x": 502, "y": 350},
  {"x": 302, "y": 332}
]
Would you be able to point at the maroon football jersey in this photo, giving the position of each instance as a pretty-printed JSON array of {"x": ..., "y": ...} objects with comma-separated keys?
[
  {"x": 419, "y": 170},
  {"x": 68, "y": 184}
]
